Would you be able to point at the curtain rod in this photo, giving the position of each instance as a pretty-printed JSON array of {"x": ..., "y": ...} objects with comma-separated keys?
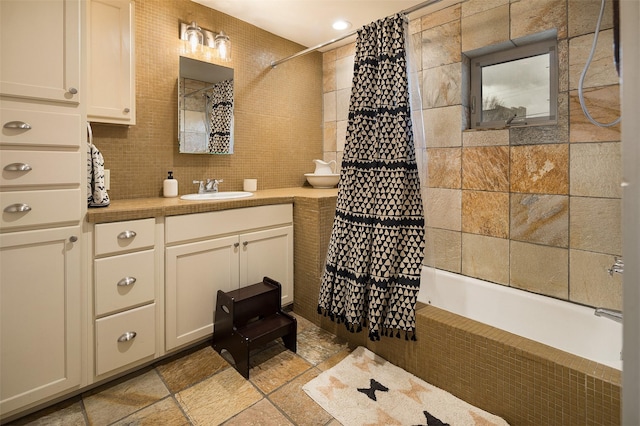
[{"x": 326, "y": 43}]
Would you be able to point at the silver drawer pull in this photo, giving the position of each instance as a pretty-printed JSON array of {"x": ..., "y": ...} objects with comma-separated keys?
[
  {"x": 129, "y": 335},
  {"x": 127, "y": 110},
  {"x": 73, "y": 90},
  {"x": 17, "y": 208},
  {"x": 17, "y": 167},
  {"x": 126, "y": 281},
  {"x": 17, "y": 125},
  {"x": 125, "y": 235}
]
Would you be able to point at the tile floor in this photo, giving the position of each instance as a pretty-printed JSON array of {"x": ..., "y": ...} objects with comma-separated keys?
[{"x": 199, "y": 387}]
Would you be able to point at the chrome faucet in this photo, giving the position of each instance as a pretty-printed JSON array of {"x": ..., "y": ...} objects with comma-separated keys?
[
  {"x": 212, "y": 185},
  {"x": 618, "y": 266},
  {"x": 612, "y": 314}
]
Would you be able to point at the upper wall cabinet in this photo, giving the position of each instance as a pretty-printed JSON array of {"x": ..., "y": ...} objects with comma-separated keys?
[
  {"x": 40, "y": 44},
  {"x": 111, "y": 96}
]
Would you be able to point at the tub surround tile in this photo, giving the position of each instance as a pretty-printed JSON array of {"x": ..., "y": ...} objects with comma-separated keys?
[
  {"x": 485, "y": 213},
  {"x": 342, "y": 104},
  {"x": 583, "y": 15},
  {"x": 116, "y": 402},
  {"x": 263, "y": 413},
  {"x": 165, "y": 412},
  {"x": 604, "y": 105},
  {"x": 596, "y": 169},
  {"x": 297, "y": 405},
  {"x": 590, "y": 283},
  {"x": 346, "y": 50},
  {"x": 563, "y": 66},
  {"x": 329, "y": 136},
  {"x": 415, "y": 26},
  {"x": 441, "y": 17},
  {"x": 486, "y": 28},
  {"x": 485, "y": 137},
  {"x": 442, "y": 126},
  {"x": 443, "y": 208},
  {"x": 191, "y": 368},
  {"x": 471, "y": 7},
  {"x": 540, "y": 169},
  {"x": 442, "y": 86},
  {"x": 602, "y": 70},
  {"x": 441, "y": 45},
  {"x": 532, "y": 17},
  {"x": 344, "y": 72},
  {"x": 444, "y": 249},
  {"x": 541, "y": 269},
  {"x": 218, "y": 398},
  {"x": 542, "y": 219},
  {"x": 329, "y": 71},
  {"x": 595, "y": 225},
  {"x": 443, "y": 165},
  {"x": 341, "y": 136},
  {"x": 485, "y": 168},
  {"x": 485, "y": 258},
  {"x": 329, "y": 106}
]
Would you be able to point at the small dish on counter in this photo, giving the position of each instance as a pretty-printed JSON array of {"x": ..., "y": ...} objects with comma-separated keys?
[{"x": 323, "y": 180}]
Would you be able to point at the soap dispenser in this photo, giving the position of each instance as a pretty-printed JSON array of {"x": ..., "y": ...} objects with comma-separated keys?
[{"x": 170, "y": 186}]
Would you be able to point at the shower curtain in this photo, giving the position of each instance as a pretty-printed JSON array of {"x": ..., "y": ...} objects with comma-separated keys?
[
  {"x": 221, "y": 118},
  {"x": 376, "y": 250}
]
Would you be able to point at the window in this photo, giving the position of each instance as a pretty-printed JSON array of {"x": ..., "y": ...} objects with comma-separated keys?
[{"x": 515, "y": 87}]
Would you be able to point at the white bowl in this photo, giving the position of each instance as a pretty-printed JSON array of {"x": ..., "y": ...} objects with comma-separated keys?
[{"x": 323, "y": 181}]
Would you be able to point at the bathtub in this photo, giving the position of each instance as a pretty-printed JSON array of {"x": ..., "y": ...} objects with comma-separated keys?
[{"x": 566, "y": 326}]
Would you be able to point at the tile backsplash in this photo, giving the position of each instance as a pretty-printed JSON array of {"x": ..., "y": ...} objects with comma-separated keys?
[
  {"x": 537, "y": 208},
  {"x": 278, "y": 112}
]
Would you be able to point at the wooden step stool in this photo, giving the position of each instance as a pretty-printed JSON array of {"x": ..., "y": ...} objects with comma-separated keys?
[{"x": 250, "y": 317}]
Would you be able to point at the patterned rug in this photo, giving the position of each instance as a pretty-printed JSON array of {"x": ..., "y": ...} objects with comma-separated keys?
[{"x": 365, "y": 389}]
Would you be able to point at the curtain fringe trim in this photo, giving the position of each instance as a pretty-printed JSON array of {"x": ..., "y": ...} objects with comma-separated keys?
[{"x": 409, "y": 335}]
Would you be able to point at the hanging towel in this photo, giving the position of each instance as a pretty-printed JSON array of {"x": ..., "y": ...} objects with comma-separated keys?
[{"x": 96, "y": 191}]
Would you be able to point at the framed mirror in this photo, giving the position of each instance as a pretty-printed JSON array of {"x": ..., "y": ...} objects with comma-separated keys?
[{"x": 205, "y": 108}]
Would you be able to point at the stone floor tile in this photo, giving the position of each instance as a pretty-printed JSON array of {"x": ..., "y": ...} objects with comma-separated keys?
[
  {"x": 118, "y": 401},
  {"x": 218, "y": 398},
  {"x": 274, "y": 367},
  {"x": 67, "y": 413},
  {"x": 316, "y": 345},
  {"x": 264, "y": 413},
  {"x": 299, "y": 406},
  {"x": 334, "y": 359},
  {"x": 188, "y": 370},
  {"x": 164, "y": 412}
]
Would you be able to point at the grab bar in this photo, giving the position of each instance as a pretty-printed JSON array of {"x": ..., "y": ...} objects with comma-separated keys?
[{"x": 612, "y": 314}]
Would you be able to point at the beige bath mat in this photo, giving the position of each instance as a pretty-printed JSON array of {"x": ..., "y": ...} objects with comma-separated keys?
[{"x": 365, "y": 389}]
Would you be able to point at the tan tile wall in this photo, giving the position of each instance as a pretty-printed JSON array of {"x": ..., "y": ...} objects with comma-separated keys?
[
  {"x": 278, "y": 114},
  {"x": 536, "y": 208}
]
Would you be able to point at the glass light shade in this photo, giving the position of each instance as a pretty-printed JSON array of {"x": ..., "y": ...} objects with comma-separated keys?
[
  {"x": 194, "y": 37},
  {"x": 222, "y": 44}
]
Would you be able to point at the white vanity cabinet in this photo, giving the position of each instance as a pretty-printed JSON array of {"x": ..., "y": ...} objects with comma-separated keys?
[
  {"x": 124, "y": 278},
  {"x": 111, "y": 96},
  {"x": 223, "y": 250},
  {"x": 40, "y": 45}
]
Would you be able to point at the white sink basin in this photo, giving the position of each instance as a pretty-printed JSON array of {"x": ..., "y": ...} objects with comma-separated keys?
[{"x": 226, "y": 195}]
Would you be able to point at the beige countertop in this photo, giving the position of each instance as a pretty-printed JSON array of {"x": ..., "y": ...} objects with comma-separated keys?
[{"x": 140, "y": 208}]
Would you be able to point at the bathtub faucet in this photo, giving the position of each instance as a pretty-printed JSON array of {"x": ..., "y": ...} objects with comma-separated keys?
[
  {"x": 612, "y": 314},
  {"x": 618, "y": 266}
]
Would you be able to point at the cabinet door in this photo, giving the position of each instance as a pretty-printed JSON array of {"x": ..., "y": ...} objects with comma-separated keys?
[
  {"x": 40, "y": 44},
  {"x": 268, "y": 253},
  {"x": 111, "y": 64},
  {"x": 194, "y": 274},
  {"x": 40, "y": 299}
]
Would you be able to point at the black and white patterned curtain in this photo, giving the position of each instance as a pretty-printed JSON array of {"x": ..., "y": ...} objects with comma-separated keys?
[
  {"x": 221, "y": 118},
  {"x": 372, "y": 272}
]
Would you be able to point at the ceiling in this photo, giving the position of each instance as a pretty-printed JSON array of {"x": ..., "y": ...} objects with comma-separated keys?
[{"x": 308, "y": 22}]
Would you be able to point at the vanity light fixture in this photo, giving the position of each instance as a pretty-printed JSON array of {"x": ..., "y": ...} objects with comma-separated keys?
[{"x": 196, "y": 37}]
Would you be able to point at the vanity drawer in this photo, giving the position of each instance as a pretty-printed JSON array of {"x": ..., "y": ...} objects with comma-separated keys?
[
  {"x": 124, "y": 281},
  {"x": 44, "y": 168},
  {"x": 38, "y": 208},
  {"x": 120, "y": 237},
  {"x": 206, "y": 225},
  {"x": 47, "y": 129},
  {"x": 113, "y": 350}
]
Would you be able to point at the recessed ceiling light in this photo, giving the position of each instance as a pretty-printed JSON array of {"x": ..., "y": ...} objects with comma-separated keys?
[{"x": 341, "y": 25}]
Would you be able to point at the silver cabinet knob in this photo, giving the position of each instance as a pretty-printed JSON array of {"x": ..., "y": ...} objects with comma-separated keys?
[
  {"x": 17, "y": 208},
  {"x": 17, "y": 167},
  {"x": 17, "y": 125},
  {"x": 73, "y": 239},
  {"x": 126, "y": 281},
  {"x": 127, "y": 110},
  {"x": 73, "y": 90},
  {"x": 129, "y": 335},
  {"x": 125, "y": 235}
]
